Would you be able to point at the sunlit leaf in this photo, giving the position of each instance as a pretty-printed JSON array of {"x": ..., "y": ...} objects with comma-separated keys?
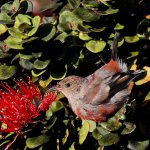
[
  {"x": 3, "y": 29},
  {"x": 45, "y": 83},
  {"x": 64, "y": 139},
  {"x": 147, "y": 97},
  {"x": 95, "y": 46},
  {"x": 68, "y": 21},
  {"x": 131, "y": 39},
  {"x": 35, "y": 25},
  {"x": 72, "y": 146},
  {"x": 83, "y": 131},
  {"x": 14, "y": 43},
  {"x": 37, "y": 74},
  {"x": 119, "y": 26},
  {"x": 34, "y": 142},
  {"x": 38, "y": 64},
  {"x": 84, "y": 36},
  {"x": 22, "y": 19}
]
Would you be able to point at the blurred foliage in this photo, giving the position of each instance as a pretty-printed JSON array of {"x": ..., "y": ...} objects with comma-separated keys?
[{"x": 51, "y": 39}]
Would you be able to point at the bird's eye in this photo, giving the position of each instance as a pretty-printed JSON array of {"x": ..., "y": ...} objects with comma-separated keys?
[{"x": 67, "y": 85}]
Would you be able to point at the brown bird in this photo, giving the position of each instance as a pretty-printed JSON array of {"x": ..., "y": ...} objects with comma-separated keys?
[{"x": 101, "y": 94}]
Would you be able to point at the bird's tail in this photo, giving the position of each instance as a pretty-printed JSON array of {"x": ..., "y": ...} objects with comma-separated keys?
[{"x": 114, "y": 53}]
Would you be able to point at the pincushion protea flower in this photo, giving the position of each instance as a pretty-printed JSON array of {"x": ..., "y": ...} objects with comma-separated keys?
[{"x": 22, "y": 105}]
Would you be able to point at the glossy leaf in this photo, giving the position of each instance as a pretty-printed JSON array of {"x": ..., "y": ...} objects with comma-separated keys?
[
  {"x": 95, "y": 46},
  {"x": 3, "y": 29},
  {"x": 34, "y": 142},
  {"x": 7, "y": 72},
  {"x": 64, "y": 139},
  {"x": 83, "y": 131},
  {"x": 45, "y": 83},
  {"x": 84, "y": 36},
  {"x": 37, "y": 74},
  {"x": 119, "y": 26},
  {"x": 131, "y": 39},
  {"x": 38, "y": 64}
]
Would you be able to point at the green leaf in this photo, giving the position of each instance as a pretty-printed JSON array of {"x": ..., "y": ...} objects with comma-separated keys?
[
  {"x": 74, "y": 3},
  {"x": 83, "y": 131},
  {"x": 109, "y": 11},
  {"x": 5, "y": 18},
  {"x": 23, "y": 56},
  {"x": 37, "y": 55},
  {"x": 129, "y": 128},
  {"x": 92, "y": 125},
  {"x": 37, "y": 74},
  {"x": 100, "y": 29},
  {"x": 22, "y": 19},
  {"x": 90, "y": 4},
  {"x": 64, "y": 139},
  {"x": 35, "y": 25},
  {"x": 34, "y": 142},
  {"x": 72, "y": 146},
  {"x": 13, "y": 42},
  {"x": 119, "y": 26},
  {"x": 86, "y": 15},
  {"x": 138, "y": 145},
  {"x": 104, "y": 137},
  {"x": 50, "y": 33},
  {"x": 131, "y": 39},
  {"x": 59, "y": 74},
  {"x": 68, "y": 21},
  {"x": 7, "y": 72},
  {"x": 45, "y": 83},
  {"x": 38, "y": 64},
  {"x": 3, "y": 29},
  {"x": 54, "y": 107},
  {"x": 84, "y": 36},
  {"x": 16, "y": 33},
  {"x": 95, "y": 46},
  {"x": 26, "y": 64},
  {"x": 147, "y": 98}
]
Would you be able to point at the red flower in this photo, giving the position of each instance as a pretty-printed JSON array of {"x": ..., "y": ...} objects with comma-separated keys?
[{"x": 20, "y": 106}]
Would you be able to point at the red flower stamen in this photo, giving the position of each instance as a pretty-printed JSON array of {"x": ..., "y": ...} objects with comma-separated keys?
[{"x": 20, "y": 106}]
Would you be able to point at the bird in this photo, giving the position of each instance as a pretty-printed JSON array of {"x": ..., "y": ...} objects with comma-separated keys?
[{"x": 101, "y": 94}]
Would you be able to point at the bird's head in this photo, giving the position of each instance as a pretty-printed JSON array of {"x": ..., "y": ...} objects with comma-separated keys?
[{"x": 70, "y": 85}]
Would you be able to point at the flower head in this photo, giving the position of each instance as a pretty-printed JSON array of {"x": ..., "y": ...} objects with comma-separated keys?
[{"x": 20, "y": 106}]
